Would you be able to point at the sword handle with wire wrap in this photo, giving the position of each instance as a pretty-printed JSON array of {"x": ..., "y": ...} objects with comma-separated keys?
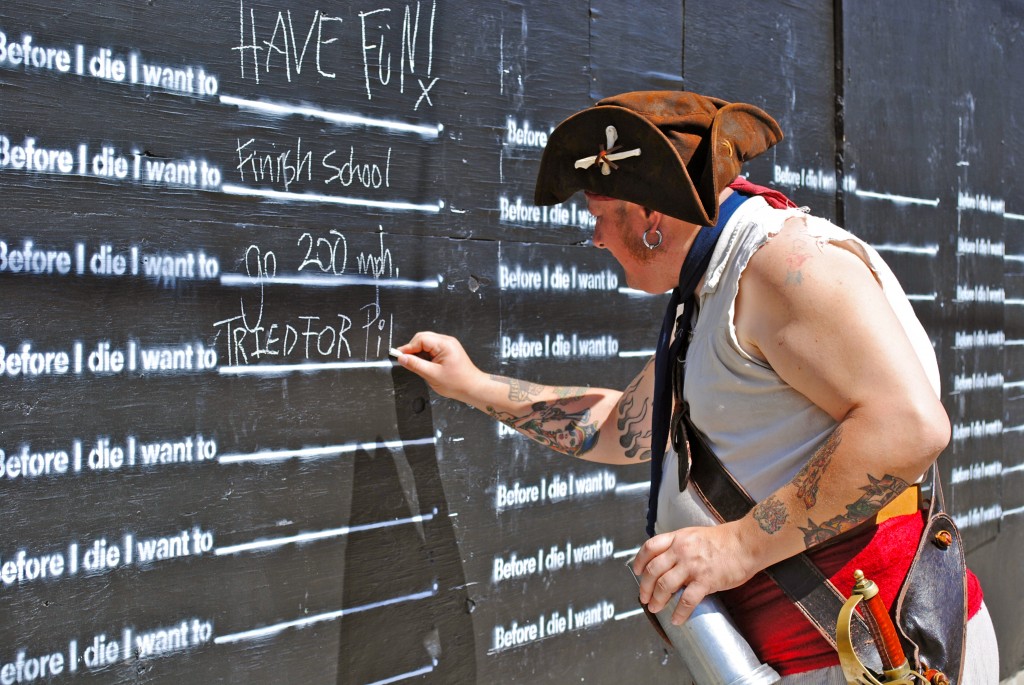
[{"x": 894, "y": 661}]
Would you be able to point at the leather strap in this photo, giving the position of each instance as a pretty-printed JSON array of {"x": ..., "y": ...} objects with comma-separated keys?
[{"x": 803, "y": 582}]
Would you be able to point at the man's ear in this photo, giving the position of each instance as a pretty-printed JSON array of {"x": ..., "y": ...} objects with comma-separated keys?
[{"x": 654, "y": 218}]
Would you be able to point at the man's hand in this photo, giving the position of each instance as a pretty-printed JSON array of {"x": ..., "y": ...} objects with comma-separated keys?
[
  {"x": 449, "y": 370},
  {"x": 703, "y": 560}
]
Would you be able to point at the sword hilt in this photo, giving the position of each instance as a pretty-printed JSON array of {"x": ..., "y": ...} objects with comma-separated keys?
[{"x": 894, "y": 662}]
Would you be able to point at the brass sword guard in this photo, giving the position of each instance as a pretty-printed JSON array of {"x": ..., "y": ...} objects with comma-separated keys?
[{"x": 854, "y": 670}]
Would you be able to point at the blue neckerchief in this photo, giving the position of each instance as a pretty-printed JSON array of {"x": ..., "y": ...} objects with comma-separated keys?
[{"x": 694, "y": 266}]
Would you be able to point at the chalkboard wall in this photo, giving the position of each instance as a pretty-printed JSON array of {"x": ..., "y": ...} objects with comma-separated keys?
[{"x": 218, "y": 216}]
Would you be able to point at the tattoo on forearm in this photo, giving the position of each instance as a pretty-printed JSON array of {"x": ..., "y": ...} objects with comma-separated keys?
[
  {"x": 519, "y": 391},
  {"x": 522, "y": 391},
  {"x": 569, "y": 432},
  {"x": 771, "y": 514},
  {"x": 634, "y": 423},
  {"x": 877, "y": 493},
  {"x": 809, "y": 477}
]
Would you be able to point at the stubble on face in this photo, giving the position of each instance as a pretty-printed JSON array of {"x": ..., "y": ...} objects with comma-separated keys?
[{"x": 632, "y": 236}]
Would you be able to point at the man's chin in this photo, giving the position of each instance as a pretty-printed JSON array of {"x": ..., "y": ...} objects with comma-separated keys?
[{"x": 635, "y": 284}]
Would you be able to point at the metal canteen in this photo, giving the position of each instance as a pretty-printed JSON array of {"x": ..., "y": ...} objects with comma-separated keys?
[{"x": 711, "y": 646}]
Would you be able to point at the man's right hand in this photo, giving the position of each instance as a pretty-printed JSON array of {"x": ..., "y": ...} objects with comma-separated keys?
[
  {"x": 568, "y": 419},
  {"x": 449, "y": 371}
]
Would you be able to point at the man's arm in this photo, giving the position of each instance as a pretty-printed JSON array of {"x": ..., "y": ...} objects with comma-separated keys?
[
  {"x": 596, "y": 424},
  {"x": 816, "y": 314}
]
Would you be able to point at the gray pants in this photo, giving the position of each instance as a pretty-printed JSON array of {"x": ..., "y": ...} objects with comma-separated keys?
[{"x": 981, "y": 659}]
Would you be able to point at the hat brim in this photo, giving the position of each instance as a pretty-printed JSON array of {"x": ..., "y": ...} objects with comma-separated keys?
[{"x": 641, "y": 179}]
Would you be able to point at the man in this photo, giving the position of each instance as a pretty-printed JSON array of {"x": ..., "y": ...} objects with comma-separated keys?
[{"x": 806, "y": 372}]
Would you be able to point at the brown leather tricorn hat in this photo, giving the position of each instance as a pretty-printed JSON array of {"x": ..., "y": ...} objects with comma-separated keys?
[{"x": 670, "y": 151}]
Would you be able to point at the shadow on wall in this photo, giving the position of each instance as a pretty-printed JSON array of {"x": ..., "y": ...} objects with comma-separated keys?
[{"x": 400, "y": 565}]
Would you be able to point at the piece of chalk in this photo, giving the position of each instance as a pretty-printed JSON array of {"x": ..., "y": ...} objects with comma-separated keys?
[{"x": 394, "y": 353}]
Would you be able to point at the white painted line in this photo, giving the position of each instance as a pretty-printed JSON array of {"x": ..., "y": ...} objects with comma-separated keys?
[
  {"x": 1013, "y": 217},
  {"x": 632, "y": 487},
  {"x": 629, "y": 614},
  {"x": 1013, "y": 512},
  {"x": 324, "y": 281},
  {"x": 274, "y": 369},
  {"x": 1012, "y": 469},
  {"x": 316, "y": 452},
  {"x": 267, "y": 631},
  {"x": 626, "y": 553},
  {"x": 230, "y": 189},
  {"x": 333, "y": 117},
  {"x": 637, "y": 353},
  {"x": 405, "y": 676},
  {"x": 319, "y": 535},
  {"x": 928, "y": 250},
  {"x": 1016, "y": 301},
  {"x": 1013, "y": 429},
  {"x": 922, "y": 298},
  {"x": 898, "y": 199}
]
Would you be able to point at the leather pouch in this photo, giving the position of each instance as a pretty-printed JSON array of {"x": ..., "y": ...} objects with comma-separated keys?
[{"x": 931, "y": 608}]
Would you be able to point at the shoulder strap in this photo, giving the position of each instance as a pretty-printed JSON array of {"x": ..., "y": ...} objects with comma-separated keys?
[{"x": 670, "y": 347}]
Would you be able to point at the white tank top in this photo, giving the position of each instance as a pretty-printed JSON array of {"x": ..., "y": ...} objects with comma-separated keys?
[{"x": 763, "y": 430}]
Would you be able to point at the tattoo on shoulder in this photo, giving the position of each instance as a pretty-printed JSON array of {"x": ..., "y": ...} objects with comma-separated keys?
[
  {"x": 877, "y": 493},
  {"x": 795, "y": 261},
  {"x": 809, "y": 477},
  {"x": 771, "y": 514}
]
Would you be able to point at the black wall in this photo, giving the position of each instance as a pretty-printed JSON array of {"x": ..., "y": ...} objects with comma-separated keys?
[{"x": 212, "y": 472}]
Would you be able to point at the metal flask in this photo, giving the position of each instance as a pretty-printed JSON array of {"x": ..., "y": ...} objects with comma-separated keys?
[{"x": 712, "y": 647}]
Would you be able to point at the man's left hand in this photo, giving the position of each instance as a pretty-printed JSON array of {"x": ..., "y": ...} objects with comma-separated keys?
[{"x": 703, "y": 560}]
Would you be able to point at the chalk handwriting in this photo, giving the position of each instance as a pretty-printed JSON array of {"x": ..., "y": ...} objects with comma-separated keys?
[
  {"x": 377, "y": 55},
  {"x": 281, "y": 49},
  {"x": 395, "y": 44},
  {"x": 295, "y": 165},
  {"x": 328, "y": 253}
]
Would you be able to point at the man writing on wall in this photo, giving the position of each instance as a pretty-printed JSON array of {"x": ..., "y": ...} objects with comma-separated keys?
[{"x": 806, "y": 372}]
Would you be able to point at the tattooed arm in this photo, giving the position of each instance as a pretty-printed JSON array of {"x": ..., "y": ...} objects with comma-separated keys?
[
  {"x": 597, "y": 424},
  {"x": 817, "y": 316}
]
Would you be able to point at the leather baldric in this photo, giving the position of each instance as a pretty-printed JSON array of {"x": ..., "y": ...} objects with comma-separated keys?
[{"x": 803, "y": 582}]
